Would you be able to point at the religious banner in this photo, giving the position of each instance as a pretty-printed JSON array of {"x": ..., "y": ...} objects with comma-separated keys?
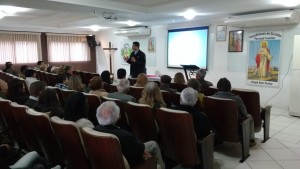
[
  {"x": 151, "y": 45},
  {"x": 125, "y": 52},
  {"x": 264, "y": 58}
]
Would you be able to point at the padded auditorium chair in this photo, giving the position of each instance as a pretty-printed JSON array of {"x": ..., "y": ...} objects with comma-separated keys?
[
  {"x": 179, "y": 142},
  {"x": 94, "y": 102},
  {"x": 69, "y": 137},
  {"x": 261, "y": 116},
  {"x": 104, "y": 151},
  {"x": 141, "y": 121},
  {"x": 26, "y": 129},
  {"x": 42, "y": 127},
  {"x": 224, "y": 116}
]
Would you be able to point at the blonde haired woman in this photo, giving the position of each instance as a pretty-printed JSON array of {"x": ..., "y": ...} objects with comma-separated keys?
[
  {"x": 141, "y": 80},
  {"x": 152, "y": 96},
  {"x": 75, "y": 83}
]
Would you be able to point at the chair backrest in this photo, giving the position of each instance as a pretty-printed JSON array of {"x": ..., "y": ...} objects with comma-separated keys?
[
  {"x": 88, "y": 76},
  {"x": 167, "y": 97},
  {"x": 252, "y": 104},
  {"x": 177, "y": 136},
  {"x": 59, "y": 94},
  {"x": 11, "y": 123},
  {"x": 132, "y": 81},
  {"x": 141, "y": 121},
  {"x": 136, "y": 92},
  {"x": 44, "y": 77},
  {"x": 103, "y": 150},
  {"x": 106, "y": 87},
  {"x": 209, "y": 91},
  {"x": 26, "y": 129},
  {"x": 38, "y": 75},
  {"x": 50, "y": 80},
  {"x": 112, "y": 88},
  {"x": 65, "y": 93},
  {"x": 94, "y": 102},
  {"x": 178, "y": 86},
  {"x": 175, "y": 98},
  {"x": 69, "y": 137},
  {"x": 26, "y": 88},
  {"x": 223, "y": 114},
  {"x": 42, "y": 127},
  {"x": 81, "y": 74}
]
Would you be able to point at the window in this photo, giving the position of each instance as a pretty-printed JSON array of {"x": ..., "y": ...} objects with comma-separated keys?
[
  {"x": 19, "y": 47},
  {"x": 67, "y": 48}
]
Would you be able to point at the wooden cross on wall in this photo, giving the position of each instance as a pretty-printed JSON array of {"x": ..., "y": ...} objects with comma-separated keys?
[{"x": 110, "y": 49}]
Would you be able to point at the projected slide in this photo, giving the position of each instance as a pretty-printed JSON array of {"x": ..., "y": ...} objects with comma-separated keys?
[{"x": 187, "y": 46}]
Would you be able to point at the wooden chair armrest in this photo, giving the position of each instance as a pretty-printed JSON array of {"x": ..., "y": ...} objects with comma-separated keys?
[
  {"x": 206, "y": 138},
  {"x": 150, "y": 163},
  {"x": 206, "y": 151}
]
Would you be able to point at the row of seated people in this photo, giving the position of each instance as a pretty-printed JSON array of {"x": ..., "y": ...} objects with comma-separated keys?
[
  {"x": 160, "y": 103},
  {"x": 183, "y": 92},
  {"x": 77, "y": 100},
  {"x": 152, "y": 87},
  {"x": 141, "y": 81}
]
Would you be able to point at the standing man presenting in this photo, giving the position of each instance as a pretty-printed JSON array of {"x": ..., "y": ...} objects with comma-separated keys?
[{"x": 137, "y": 60}]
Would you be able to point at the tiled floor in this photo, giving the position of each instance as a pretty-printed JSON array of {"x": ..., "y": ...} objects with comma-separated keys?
[{"x": 281, "y": 151}]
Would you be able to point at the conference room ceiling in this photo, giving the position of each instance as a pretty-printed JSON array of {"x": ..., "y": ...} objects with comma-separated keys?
[{"x": 78, "y": 15}]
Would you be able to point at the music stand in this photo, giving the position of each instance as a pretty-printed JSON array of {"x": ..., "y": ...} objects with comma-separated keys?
[{"x": 190, "y": 68}]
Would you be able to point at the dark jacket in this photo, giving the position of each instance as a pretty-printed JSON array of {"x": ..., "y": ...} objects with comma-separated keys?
[
  {"x": 201, "y": 122},
  {"x": 139, "y": 66},
  {"x": 132, "y": 149},
  {"x": 167, "y": 88},
  {"x": 228, "y": 95}
]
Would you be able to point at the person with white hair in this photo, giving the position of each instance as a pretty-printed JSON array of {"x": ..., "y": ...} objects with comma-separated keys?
[
  {"x": 108, "y": 114},
  {"x": 123, "y": 88},
  {"x": 188, "y": 99}
]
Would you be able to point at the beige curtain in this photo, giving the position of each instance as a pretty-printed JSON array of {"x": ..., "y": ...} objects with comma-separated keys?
[
  {"x": 66, "y": 48},
  {"x": 19, "y": 47}
]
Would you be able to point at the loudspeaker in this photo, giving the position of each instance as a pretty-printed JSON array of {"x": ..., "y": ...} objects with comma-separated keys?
[{"x": 91, "y": 40}]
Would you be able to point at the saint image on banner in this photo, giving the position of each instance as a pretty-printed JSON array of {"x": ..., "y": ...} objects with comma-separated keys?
[
  {"x": 151, "y": 44},
  {"x": 125, "y": 51},
  {"x": 263, "y": 61}
]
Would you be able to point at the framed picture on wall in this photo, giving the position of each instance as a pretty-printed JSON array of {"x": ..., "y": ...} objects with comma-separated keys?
[
  {"x": 235, "y": 42},
  {"x": 221, "y": 33},
  {"x": 151, "y": 44}
]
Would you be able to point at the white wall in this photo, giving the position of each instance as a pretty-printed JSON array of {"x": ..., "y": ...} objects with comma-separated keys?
[{"x": 220, "y": 62}]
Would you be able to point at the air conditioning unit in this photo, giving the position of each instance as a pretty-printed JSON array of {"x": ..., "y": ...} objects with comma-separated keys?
[
  {"x": 276, "y": 18},
  {"x": 138, "y": 31}
]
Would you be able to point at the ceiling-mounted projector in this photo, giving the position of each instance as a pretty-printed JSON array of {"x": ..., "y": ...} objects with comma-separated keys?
[{"x": 276, "y": 18}]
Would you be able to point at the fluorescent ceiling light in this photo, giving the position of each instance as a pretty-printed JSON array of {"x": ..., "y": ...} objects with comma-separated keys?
[
  {"x": 287, "y": 3},
  {"x": 94, "y": 28},
  {"x": 1, "y": 15},
  {"x": 189, "y": 14},
  {"x": 130, "y": 23},
  {"x": 10, "y": 10}
]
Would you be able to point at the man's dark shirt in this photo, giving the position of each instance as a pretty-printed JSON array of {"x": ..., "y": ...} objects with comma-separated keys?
[
  {"x": 132, "y": 149},
  {"x": 201, "y": 122}
]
